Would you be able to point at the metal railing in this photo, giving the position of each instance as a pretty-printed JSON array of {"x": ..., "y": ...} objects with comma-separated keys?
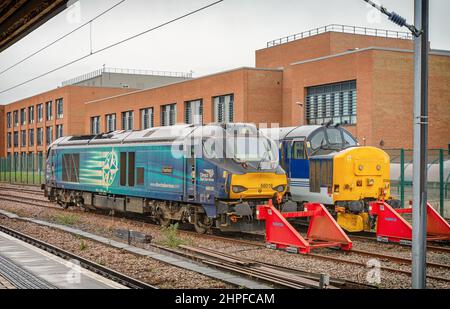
[
  {"x": 99, "y": 72},
  {"x": 343, "y": 29},
  {"x": 438, "y": 185},
  {"x": 23, "y": 169}
]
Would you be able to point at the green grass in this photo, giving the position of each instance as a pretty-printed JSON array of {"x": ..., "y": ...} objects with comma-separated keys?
[
  {"x": 22, "y": 177},
  {"x": 170, "y": 236},
  {"x": 66, "y": 219},
  {"x": 83, "y": 245}
]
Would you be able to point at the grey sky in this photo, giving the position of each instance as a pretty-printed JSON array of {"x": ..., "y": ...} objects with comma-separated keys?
[{"x": 220, "y": 38}]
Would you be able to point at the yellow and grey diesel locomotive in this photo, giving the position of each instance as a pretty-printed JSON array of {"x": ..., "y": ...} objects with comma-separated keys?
[{"x": 325, "y": 164}]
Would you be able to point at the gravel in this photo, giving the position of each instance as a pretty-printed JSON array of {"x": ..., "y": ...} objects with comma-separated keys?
[
  {"x": 104, "y": 225},
  {"x": 141, "y": 268}
]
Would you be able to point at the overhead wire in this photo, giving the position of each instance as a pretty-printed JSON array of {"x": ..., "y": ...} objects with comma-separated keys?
[
  {"x": 113, "y": 45},
  {"x": 61, "y": 38}
]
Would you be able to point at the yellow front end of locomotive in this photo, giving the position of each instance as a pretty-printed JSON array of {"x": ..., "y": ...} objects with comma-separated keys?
[
  {"x": 359, "y": 174},
  {"x": 258, "y": 186}
]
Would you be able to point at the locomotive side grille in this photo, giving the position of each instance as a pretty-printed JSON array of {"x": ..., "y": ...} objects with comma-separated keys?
[
  {"x": 320, "y": 174},
  {"x": 71, "y": 167}
]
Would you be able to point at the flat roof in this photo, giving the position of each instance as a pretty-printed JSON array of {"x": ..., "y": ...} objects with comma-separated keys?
[
  {"x": 184, "y": 81},
  {"x": 60, "y": 88},
  {"x": 436, "y": 52}
]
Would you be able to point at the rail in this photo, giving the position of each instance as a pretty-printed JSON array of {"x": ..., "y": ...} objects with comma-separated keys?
[
  {"x": 94, "y": 267},
  {"x": 342, "y": 29}
]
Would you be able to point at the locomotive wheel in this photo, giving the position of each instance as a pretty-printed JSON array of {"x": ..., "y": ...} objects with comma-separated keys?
[
  {"x": 63, "y": 205},
  {"x": 200, "y": 229},
  {"x": 164, "y": 222},
  {"x": 203, "y": 224}
]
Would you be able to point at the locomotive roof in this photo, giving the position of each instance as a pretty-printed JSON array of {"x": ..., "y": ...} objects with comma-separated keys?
[
  {"x": 290, "y": 132},
  {"x": 159, "y": 134}
]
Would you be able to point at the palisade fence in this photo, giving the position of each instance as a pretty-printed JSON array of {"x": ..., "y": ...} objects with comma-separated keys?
[
  {"x": 31, "y": 170},
  {"x": 438, "y": 178},
  {"x": 23, "y": 169}
]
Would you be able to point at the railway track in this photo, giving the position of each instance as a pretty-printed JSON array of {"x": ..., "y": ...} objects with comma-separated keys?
[
  {"x": 94, "y": 267},
  {"x": 352, "y": 252},
  {"x": 34, "y": 201},
  {"x": 20, "y": 278},
  {"x": 261, "y": 244},
  {"x": 27, "y": 189},
  {"x": 431, "y": 245},
  {"x": 276, "y": 275}
]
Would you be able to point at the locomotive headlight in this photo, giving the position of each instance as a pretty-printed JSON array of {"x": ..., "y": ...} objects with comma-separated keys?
[
  {"x": 279, "y": 188},
  {"x": 361, "y": 167},
  {"x": 239, "y": 189},
  {"x": 370, "y": 181},
  {"x": 378, "y": 167}
]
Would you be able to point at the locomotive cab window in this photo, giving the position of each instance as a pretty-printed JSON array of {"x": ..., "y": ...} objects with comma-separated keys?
[
  {"x": 334, "y": 137},
  {"x": 349, "y": 141},
  {"x": 298, "y": 150},
  {"x": 317, "y": 143}
]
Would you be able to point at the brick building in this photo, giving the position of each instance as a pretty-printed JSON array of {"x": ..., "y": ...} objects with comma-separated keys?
[
  {"x": 31, "y": 124},
  {"x": 357, "y": 77}
]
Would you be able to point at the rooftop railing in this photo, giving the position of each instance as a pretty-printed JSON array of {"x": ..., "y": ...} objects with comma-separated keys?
[
  {"x": 99, "y": 72},
  {"x": 343, "y": 29}
]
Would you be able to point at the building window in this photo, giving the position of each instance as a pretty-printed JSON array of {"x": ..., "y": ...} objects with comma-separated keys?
[
  {"x": 59, "y": 131},
  {"x": 16, "y": 139},
  {"x": 147, "y": 118},
  {"x": 110, "y": 122},
  {"x": 95, "y": 125},
  {"x": 49, "y": 110},
  {"x": 23, "y": 138},
  {"x": 49, "y": 135},
  {"x": 127, "y": 120},
  {"x": 40, "y": 112},
  {"x": 23, "y": 116},
  {"x": 8, "y": 140},
  {"x": 31, "y": 114},
  {"x": 16, "y": 118},
  {"x": 224, "y": 109},
  {"x": 8, "y": 120},
  {"x": 40, "y": 136},
  {"x": 193, "y": 112},
  {"x": 59, "y": 108},
  {"x": 168, "y": 115},
  {"x": 332, "y": 103},
  {"x": 31, "y": 137}
]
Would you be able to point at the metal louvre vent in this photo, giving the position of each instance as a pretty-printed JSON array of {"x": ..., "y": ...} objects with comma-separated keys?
[
  {"x": 320, "y": 174},
  {"x": 224, "y": 109},
  {"x": 71, "y": 168},
  {"x": 336, "y": 103}
]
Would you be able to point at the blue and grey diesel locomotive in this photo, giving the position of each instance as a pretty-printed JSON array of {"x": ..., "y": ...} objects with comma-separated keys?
[
  {"x": 326, "y": 165},
  {"x": 210, "y": 176}
]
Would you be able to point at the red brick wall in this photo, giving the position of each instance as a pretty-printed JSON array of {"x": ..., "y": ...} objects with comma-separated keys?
[
  {"x": 384, "y": 95},
  {"x": 325, "y": 44},
  {"x": 393, "y": 83},
  {"x": 285, "y": 54},
  {"x": 264, "y": 95},
  {"x": 73, "y": 113},
  {"x": 256, "y": 98}
]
